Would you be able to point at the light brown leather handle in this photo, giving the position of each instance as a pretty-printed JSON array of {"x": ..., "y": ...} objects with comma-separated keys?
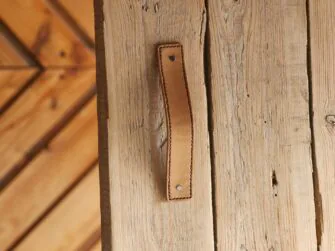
[{"x": 179, "y": 121}]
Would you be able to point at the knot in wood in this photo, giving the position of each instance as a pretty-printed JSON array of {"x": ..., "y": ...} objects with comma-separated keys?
[{"x": 330, "y": 119}]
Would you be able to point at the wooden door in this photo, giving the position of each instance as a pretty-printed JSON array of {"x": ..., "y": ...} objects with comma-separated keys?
[{"x": 259, "y": 75}]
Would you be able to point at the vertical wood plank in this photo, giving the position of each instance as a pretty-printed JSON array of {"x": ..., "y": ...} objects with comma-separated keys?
[
  {"x": 261, "y": 131},
  {"x": 141, "y": 218},
  {"x": 322, "y": 34}
]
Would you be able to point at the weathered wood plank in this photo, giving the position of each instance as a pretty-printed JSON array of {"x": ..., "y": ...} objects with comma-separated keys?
[
  {"x": 44, "y": 33},
  {"x": 84, "y": 17},
  {"x": 77, "y": 216},
  {"x": 261, "y": 132},
  {"x": 135, "y": 178},
  {"x": 322, "y": 34},
  {"x": 13, "y": 80},
  {"x": 37, "y": 110},
  {"x": 52, "y": 172}
]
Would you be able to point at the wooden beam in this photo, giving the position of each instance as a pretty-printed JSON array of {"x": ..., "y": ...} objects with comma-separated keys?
[
  {"x": 261, "y": 131},
  {"x": 132, "y": 126},
  {"x": 322, "y": 35}
]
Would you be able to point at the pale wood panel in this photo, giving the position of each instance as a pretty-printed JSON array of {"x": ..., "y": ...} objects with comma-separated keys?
[
  {"x": 136, "y": 129},
  {"x": 9, "y": 55},
  {"x": 84, "y": 17},
  {"x": 261, "y": 132},
  {"x": 96, "y": 247},
  {"x": 13, "y": 80},
  {"x": 322, "y": 34},
  {"x": 48, "y": 176},
  {"x": 71, "y": 222},
  {"x": 44, "y": 33},
  {"x": 34, "y": 113}
]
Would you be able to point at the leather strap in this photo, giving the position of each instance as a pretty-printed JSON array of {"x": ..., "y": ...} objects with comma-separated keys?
[{"x": 179, "y": 121}]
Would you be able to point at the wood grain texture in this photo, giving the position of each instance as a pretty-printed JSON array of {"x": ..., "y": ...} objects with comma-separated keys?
[
  {"x": 261, "y": 132},
  {"x": 44, "y": 33},
  {"x": 137, "y": 131},
  {"x": 54, "y": 170},
  {"x": 37, "y": 111},
  {"x": 322, "y": 33},
  {"x": 9, "y": 54},
  {"x": 85, "y": 17},
  {"x": 13, "y": 80},
  {"x": 77, "y": 216}
]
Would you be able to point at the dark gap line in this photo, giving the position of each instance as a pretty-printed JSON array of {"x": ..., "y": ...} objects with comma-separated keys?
[
  {"x": 316, "y": 184},
  {"x": 19, "y": 46},
  {"x": 75, "y": 27},
  {"x": 79, "y": 67},
  {"x": 92, "y": 240},
  {"x": 208, "y": 81},
  {"x": 47, "y": 138},
  {"x": 48, "y": 67},
  {"x": 19, "y": 92},
  {"x": 17, "y": 67},
  {"x": 102, "y": 105},
  {"x": 53, "y": 205}
]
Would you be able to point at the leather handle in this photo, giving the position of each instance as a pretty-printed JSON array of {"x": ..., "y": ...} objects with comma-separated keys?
[{"x": 179, "y": 121}]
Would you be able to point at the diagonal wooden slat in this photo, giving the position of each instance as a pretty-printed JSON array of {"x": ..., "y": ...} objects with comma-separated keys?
[
  {"x": 84, "y": 17},
  {"x": 9, "y": 55},
  {"x": 44, "y": 33},
  {"x": 37, "y": 111},
  {"x": 50, "y": 174},
  {"x": 74, "y": 220},
  {"x": 13, "y": 80}
]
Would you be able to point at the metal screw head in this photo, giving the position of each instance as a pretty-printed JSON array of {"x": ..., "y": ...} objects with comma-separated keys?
[{"x": 179, "y": 187}]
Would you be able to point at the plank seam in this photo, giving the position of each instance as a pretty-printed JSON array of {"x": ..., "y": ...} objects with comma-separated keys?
[
  {"x": 59, "y": 9},
  {"x": 210, "y": 121},
  {"x": 316, "y": 182},
  {"x": 102, "y": 106}
]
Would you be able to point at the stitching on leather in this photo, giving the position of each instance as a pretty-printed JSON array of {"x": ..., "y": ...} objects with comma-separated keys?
[{"x": 168, "y": 115}]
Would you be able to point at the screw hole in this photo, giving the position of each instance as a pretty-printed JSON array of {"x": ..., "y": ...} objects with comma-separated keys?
[{"x": 172, "y": 58}]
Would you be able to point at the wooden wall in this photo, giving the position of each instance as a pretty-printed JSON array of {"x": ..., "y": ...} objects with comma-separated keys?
[
  {"x": 261, "y": 82},
  {"x": 49, "y": 189}
]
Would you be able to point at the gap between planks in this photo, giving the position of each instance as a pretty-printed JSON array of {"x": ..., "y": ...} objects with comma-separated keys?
[{"x": 316, "y": 184}]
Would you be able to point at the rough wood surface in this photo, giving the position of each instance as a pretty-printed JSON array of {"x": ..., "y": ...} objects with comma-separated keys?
[
  {"x": 48, "y": 176},
  {"x": 136, "y": 127},
  {"x": 37, "y": 111},
  {"x": 322, "y": 36},
  {"x": 44, "y": 33},
  {"x": 77, "y": 216},
  {"x": 261, "y": 131},
  {"x": 13, "y": 80}
]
